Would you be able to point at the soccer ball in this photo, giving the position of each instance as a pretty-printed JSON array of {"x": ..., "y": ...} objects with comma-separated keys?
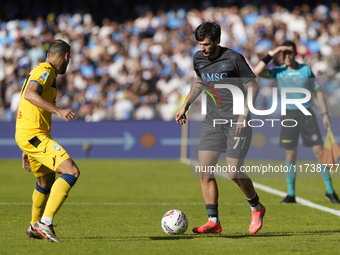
[{"x": 174, "y": 222}]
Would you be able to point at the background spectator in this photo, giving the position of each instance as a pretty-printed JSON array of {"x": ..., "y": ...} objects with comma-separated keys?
[{"x": 134, "y": 61}]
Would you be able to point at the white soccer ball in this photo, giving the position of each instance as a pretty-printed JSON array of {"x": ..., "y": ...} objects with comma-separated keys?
[{"x": 174, "y": 222}]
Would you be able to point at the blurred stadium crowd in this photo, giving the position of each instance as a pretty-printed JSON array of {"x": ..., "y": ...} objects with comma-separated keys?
[{"x": 141, "y": 68}]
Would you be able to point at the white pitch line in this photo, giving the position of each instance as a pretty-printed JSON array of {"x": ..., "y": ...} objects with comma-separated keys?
[
  {"x": 127, "y": 203},
  {"x": 133, "y": 204},
  {"x": 298, "y": 199},
  {"x": 279, "y": 193}
]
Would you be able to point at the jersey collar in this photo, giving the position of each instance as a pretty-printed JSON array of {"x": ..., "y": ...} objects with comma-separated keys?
[{"x": 298, "y": 66}]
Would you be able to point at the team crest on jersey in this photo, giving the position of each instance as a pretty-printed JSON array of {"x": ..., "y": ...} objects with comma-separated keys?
[
  {"x": 223, "y": 66},
  {"x": 314, "y": 137},
  {"x": 56, "y": 147},
  {"x": 44, "y": 76},
  {"x": 200, "y": 66}
]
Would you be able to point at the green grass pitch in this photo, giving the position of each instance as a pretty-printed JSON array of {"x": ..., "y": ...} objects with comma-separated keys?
[{"x": 117, "y": 205}]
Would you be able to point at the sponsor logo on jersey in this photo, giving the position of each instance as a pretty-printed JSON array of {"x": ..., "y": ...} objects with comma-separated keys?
[
  {"x": 214, "y": 76},
  {"x": 44, "y": 75}
]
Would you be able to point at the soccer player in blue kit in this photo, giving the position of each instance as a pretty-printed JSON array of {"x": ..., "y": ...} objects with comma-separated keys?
[
  {"x": 213, "y": 65},
  {"x": 294, "y": 75}
]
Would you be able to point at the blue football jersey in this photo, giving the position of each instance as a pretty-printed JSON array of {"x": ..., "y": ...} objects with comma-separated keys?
[{"x": 301, "y": 77}]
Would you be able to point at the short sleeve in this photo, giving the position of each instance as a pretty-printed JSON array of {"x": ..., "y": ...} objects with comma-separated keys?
[
  {"x": 43, "y": 76},
  {"x": 272, "y": 73},
  {"x": 195, "y": 67},
  {"x": 243, "y": 70},
  {"x": 314, "y": 86}
]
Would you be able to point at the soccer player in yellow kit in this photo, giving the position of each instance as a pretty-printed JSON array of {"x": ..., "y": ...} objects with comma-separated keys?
[{"x": 41, "y": 155}]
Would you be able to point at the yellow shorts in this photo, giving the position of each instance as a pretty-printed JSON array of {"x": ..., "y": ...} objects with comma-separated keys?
[{"x": 45, "y": 155}]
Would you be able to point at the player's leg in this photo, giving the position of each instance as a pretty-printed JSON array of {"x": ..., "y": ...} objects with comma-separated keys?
[
  {"x": 289, "y": 138},
  {"x": 237, "y": 149},
  {"x": 69, "y": 174},
  {"x": 240, "y": 178},
  {"x": 325, "y": 172},
  {"x": 41, "y": 195},
  {"x": 207, "y": 179},
  {"x": 212, "y": 142},
  {"x": 311, "y": 137},
  {"x": 246, "y": 185},
  {"x": 209, "y": 191},
  {"x": 291, "y": 155},
  {"x": 55, "y": 158},
  {"x": 39, "y": 198},
  {"x": 45, "y": 178}
]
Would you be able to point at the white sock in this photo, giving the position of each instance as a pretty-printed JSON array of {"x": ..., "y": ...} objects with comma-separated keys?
[
  {"x": 214, "y": 219},
  {"x": 256, "y": 208},
  {"x": 46, "y": 220}
]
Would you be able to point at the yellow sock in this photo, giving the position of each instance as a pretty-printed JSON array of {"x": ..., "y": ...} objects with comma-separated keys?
[
  {"x": 59, "y": 192},
  {"x": 39, "y": 199}
]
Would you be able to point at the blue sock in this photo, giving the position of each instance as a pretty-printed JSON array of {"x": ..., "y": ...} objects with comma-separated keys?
[
  {"x": 69, "y": 178},
  {"x": 290, "y": 176},
  {"x": 327, "y": 179}
]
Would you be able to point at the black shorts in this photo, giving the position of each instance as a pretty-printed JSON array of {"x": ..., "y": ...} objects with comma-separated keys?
[
  {"x": 222, "y": 138},
  {"x": 306, "y": 125}
]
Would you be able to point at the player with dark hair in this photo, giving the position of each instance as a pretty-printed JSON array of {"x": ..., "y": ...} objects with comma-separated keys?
[
  {"x": 41, "y": 155},
  {"x": 293, "y": 74},
  {"x": 215, "y": 65}
]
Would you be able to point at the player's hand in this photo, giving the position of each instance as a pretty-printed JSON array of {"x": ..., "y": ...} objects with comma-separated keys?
[
  {"x": 326, "y": 121},
  {"x": 181, "y": 118},
  {"x": 241, "y": 125},
  {"x": 281, "y": 49},
  {"x": 66, "y": 114},
  {"x": 26, "y": 162}
]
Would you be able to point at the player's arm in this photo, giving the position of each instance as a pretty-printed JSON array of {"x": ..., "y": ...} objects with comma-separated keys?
[
  {"x": 243, "y": 118},
  {"x": 323, "y": 106},
  {"x": 260, "y": 69},
  {"x": 193, "y": 94},
  {"x": 32, "y": 94}
]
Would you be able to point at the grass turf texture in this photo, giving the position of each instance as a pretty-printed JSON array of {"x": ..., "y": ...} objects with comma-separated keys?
[{"x": 117, "y": 205}]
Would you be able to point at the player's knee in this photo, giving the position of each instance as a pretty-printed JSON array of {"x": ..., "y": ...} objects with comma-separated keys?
[
  {"x": 318, "y": 153},
  {"x": 235, "y": 177},
  {"x": 70, "y": 168},
  {"x": 75, "y": 170}
]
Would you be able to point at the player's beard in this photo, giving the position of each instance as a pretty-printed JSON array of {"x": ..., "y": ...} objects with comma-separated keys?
[
  {"x": 63, "y": 68},
  {"x": 211, "y": 51}
]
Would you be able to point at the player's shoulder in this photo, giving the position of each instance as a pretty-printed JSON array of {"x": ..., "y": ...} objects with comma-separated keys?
[
  {"x": 230, "y": 53},
  {"x": 43, "y": 66},
  {"x": 198, "y": 55},
  {"x": 279, "y": 69},
  {"x": 304, "y": 67},
  {"x": 43, "y": 73}
]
